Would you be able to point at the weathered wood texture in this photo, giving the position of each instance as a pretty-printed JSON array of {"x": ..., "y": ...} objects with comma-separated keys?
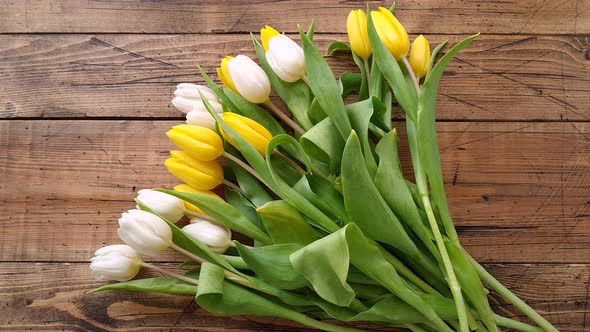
[
  {"x": 212, "y": 16},
  {"x": 518, "y": 191},
  {"x": 52, "y": 296},
  {"x": 519, "y": 77}
]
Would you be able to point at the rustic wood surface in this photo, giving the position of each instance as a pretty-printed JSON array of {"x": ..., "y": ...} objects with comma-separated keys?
[{"x": 85, "y": 89}]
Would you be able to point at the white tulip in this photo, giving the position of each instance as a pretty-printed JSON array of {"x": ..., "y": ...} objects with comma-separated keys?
[
  {"x": 285, "y": 58},
  {"x": 200, "y": 118},
  {"x": 168, "y": 206},
  {"x": 188, "y": 98},
  {"x": 216, "y": 237},
  {"x": 247, "y": 78},
  {"x": 147, "y": 233},
  {"x": 116, "y": 262}
]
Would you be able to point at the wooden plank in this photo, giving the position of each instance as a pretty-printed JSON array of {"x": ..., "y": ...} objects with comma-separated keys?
[
  {"x": 464, "y": 16},
  {"x": 73, "y": 76},
  {"x": 45, "y": 297},
  {"x": 518, "y": 191}
]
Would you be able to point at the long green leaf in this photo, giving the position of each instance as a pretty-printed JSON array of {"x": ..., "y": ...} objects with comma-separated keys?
[
  {"x": 285, "y": 224},
  {"x": 324, "y": 87},
  {"x": 153, "y": 285},
  {"x": 271, "y": 263},
  {"x": 391, "y": 70}
]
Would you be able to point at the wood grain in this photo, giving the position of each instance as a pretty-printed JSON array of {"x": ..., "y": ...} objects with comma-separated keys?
[
  {"x": 52, "y": 296},
  {"x": 78, "y": 76},
  {"x": 518, "y": 191},
  {"x": 177, "y": 16}
]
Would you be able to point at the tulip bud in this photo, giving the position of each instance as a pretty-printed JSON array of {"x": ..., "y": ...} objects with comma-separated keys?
[
  {"x": 168, "y": 206},
  {"x": 420, "y": 56},
  {"x": 202, "y": 175},
  {"x": 284, "y": 56},
  {"x": 245, "y": 77},
  {"x": 117, "y": 262},
  {"x": 216, "y": 237},
  {"x": 199, "y": 142},
  {"x": 391, "y": 32},
  {"x": 185, "y": 188},
  {"x": 147, "y": 233},
  {"x": 250, "y": 130},
  {"x": 188, "y": 98},
  {"x": 201, "y": 118},
  {"x": 356, "y": 26}
]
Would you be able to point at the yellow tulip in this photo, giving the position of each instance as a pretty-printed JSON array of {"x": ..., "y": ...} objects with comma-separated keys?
[
  {"x": 391, "y": 32},
  {"x": 420, "y": 56},
  {"x": 356, "y": 26},
  {"x": 199, "y": 142},
  {"x": 202, "y": 175},
  {"x": 250, "y": 130},
  {"x": 266, "y": 34},
  {"x": 185, "y": 188}
]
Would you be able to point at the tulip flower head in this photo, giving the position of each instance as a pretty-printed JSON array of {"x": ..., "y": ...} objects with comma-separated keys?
[
  {"x": 188, "y": 100},
  {"x": 185, "y": 188},
  {"x": 202, "y": 175},
  {"x": 216, "y": 237},
  {"x": 168, "y": 206},
  {"x": 391, "y": 32},
  {"x": 199, "y": 142},
  {"x": 245, "y": 77},
  {"x": 117, "y": 262},
  {"x": 250, "y": 130},
  {"x": 420, "y": 56},
  {"x": 284, "y": 56},
  {"x": 146, "y": 233},
  {"x": 356, "y": 26}
]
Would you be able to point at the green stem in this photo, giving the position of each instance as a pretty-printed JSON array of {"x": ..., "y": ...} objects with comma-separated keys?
[
  {"x": 289, "y": 161},
  {"x": 245, "y": 166},
  {"x": 286, "y": 119},
  {"x": 516, "y": 325},
  {"x": 236, "y": 261},
  {"x": 367, "y": 73},
  {"x": 511, "y": 297},
  {"x": 170, "y": 273}
]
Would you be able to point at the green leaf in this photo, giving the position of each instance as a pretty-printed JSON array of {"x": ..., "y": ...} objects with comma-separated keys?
[
  {"x": 221, "y": 297},
  {"x": 225, "y": 101},
  {"x": 364, "y": 89},
  {"x": 350, "y": 82},
  {"x": 152, "y": 285},
  {"x": 394, "y": 190},
  {"x": 289, "y": 194},
  {"x": 285, "y": 224},
  {"x": 250, "y": 186},
  {"x": 360, "y": 114},
  {"x": 365, "y": 205},
  {"x": 338, "y": 46},
  {"x": 311, "y": 30},
  {"x": 223, "y": 213},
  {"x": 244, "y": 206},
  {"x": 404, "y": 93},
  {"x": 316, "y": 113},
  {"x": 366, "y": 257},
  {"x": 323, "y": 143},
  {"x": 322, "y": 193},
  {"x": 296, "y": 95},
  {"x": 324, "y": 263},
  {"x": 435, "y": 52},
  {"x": 271, "y": 263},
  {"x": 324, "y": 86}
]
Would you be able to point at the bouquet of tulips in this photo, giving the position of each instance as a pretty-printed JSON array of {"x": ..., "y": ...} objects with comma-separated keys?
[{"x": 338, "y": 233}]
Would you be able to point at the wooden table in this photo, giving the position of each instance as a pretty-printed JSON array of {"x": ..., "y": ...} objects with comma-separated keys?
[{"x": 85, "y": 89}]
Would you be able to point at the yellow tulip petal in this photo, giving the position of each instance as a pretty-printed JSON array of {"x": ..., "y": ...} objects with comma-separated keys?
[
  {"x": 391, "y": 32},
  {"x": 420, "y": 56},
  {"x": 250, "y": 130},
  {"x": 356, "y": 26},
  {"x": 203, "y": 175},
  {"x": 199, "y": 142}
]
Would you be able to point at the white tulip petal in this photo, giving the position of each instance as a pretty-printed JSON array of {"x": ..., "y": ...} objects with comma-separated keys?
[{"x": 200, "y": 118}]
